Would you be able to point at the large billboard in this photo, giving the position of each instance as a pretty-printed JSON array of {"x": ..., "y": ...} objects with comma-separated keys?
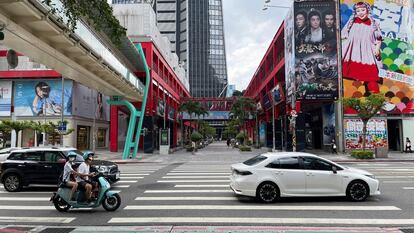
[
  {"x": 42, "y": 97},
  {"x": 5, "y": 97},
  {"x": 316, "y": 60},
  {"x": 89, "y": 103},
  {"x": 289, "y": 55},
  {"x": 377, "y": 51},
  {"x": 376, "y": 134}
]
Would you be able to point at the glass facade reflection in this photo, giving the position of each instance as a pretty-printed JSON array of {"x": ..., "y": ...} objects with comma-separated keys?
[{"x": 207, "y": 55}]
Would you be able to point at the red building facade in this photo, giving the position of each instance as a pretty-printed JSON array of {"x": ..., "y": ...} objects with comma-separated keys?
[{"x": 165, "y": 93}]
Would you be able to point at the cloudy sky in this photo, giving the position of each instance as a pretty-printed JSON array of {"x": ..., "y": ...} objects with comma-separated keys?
[{"x": 248, "y": 33}]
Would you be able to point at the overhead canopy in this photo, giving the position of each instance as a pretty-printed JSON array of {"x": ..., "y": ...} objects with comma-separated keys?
[{"x": 85, "y": 56}]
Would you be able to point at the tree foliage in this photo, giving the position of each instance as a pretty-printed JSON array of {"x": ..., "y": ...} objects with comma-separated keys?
[
  {"x": 366, "y": 108},
  {"x": 97, "y": 13},
  {"x": 242, "y": 109}
]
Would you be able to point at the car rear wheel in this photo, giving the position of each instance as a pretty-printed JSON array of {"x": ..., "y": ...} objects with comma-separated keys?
[
  {"x": 12, "y": 182},
  {"x": 267, "y": 192},
  {"x": 357, "y": 191}
]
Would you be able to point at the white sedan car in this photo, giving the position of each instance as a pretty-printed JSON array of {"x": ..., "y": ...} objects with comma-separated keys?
[{"x": 290, "y": 174}]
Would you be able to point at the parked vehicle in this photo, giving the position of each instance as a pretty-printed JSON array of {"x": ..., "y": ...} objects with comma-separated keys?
[
  {"x": 109, "y": 200},
  {"x": 4, "y": 153},
  {"x": 43, "y": 166},
  {"x": 270, "y": 176}
]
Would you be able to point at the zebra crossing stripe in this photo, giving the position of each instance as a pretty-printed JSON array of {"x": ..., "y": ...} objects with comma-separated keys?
[
  {"x": 201, "y": 185},
  {"x": 199, "y": 173},
  {"x": 193, "y": 177},
  {"x": 312, "y": 221},
  {"x": 36, "y": 219},
  {"x": 127, "y": 181},
  {"x": 191, "y": 191},
  {"x": 24, "y": 198},
  {"x": 258, "y": 207},
  {"x": 120, "y": 186},
  {"x": 393, "y": 177},
  {"x": 408, "y": 188},
  {"x": 134, "y": 174},
  {"x": 186, "y": 198},
  {"x": 132, "y": 177},
  {"x": 193, "y": 181}
]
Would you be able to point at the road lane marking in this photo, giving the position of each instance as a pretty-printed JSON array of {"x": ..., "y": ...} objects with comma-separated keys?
[
  {"x": 134, "y": 174},
  {"x": 132, "y": 177},
  {"x": 127, "y": 181},
  {"x": 186, "y": 198},
  {"x": 200, "y": 173},
  {"x": 408, "y": 188},
  {"x": 24, "y": 198},
  {"x": 121, "y": 186},
  {"x": 393, "y": 177},
  {"x": 312, "y": 221},
  {"x": 258, "y": 207},
  {"x": 23, "y": 192},
  {"x": 191, "y": 191},
  {"x": 193, "y": 177},
  {"x": 193, "y": 181},
  {"x": 398, "y": 181},
  {"x": 36, "y": 219},
  {"x": 18, "y": 207},
  {"x": 201, "y": 185}
]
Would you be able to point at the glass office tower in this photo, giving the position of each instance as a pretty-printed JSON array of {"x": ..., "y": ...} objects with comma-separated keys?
[
  {"x": 207, "y": 68},
  {"x": 195, "y": 30}
]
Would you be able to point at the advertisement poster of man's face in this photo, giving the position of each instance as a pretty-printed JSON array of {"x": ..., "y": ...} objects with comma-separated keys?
[{"x": 316, "y": 61}]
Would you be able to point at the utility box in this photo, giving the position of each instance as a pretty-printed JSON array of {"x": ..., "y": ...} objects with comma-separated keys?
[
  {"x": 381, "y": 152},
  {"x": 164, "y": 141}
]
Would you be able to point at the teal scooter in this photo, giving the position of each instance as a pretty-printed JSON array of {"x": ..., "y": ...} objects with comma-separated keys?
[{"x": 110, "y": 200}]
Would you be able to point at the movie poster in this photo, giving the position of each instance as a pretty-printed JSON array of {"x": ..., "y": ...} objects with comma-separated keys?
[
  {"x": 289, "y": 56},
  {"x": 377, "y": 51},
  {"x": 316, "y": 60},
  {"x": 5, "y": 97},
  {"x": 376, "y": 134},
  {"x": 42, "y": 97}
]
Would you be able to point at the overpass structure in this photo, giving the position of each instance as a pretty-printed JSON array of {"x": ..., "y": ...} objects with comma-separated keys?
[{"x": 84, "y": 55}]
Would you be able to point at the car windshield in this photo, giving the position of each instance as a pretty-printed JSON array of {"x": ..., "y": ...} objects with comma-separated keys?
[
  {"x": 255, "y": 160},
  {"x": 79, "y": 154}
]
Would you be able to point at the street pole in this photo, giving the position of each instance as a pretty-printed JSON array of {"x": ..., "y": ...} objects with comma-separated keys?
[
  {"x": 257, "y": 129},
  {"x": 165, "y": 108},
  {"x": 273, "y": 126},
  {"x": 62, "y": 108},
  {"x": 94, "y": 120},
  {"x": 281, "y": 132}
]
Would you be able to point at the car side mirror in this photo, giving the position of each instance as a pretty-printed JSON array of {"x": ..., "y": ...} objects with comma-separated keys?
[
  {"x": 61, "y": 161},
  {"x": 334, "y": 169}
]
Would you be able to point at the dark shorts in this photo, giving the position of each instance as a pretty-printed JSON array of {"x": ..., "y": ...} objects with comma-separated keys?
[{"x": 82, "y": 184}]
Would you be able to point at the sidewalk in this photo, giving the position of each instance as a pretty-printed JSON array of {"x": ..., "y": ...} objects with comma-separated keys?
[{"x": 219, "y": 151}]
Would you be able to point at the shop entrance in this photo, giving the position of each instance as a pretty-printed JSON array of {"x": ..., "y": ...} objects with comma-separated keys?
[
  {"x": 394, "y": 135},
  {"x": 82, "y": 138}
]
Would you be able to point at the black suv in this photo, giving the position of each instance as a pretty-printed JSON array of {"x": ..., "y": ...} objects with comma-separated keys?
[{"x": 28, "y": 166}]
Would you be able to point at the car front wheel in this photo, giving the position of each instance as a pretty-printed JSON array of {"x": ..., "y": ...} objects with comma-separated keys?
[
  {"x": 267, "y": 192},
  {"x": 357, "y": 191},
  {"x": 12, "y": 183}
]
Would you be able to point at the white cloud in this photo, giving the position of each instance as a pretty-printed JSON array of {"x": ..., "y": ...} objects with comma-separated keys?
[{"x": 248, "y": 33}]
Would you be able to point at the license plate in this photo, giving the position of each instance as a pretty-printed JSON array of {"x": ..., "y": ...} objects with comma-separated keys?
[{"x": 117, "y": 176}]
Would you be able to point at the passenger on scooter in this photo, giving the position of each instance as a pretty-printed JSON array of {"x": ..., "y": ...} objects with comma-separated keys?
[
  {"x": 68, "y": 173},
  {"x": 83, "y": 180}
]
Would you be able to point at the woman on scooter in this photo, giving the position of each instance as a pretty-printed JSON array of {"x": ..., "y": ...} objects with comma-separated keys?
[{"x": 68, "y": 174}]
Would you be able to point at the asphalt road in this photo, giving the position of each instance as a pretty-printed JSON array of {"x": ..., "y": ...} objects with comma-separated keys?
[{"x": 196, "y": 193}]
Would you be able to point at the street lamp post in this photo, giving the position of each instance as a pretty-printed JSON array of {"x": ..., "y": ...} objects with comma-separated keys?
[{"x": 293, "y": 116}]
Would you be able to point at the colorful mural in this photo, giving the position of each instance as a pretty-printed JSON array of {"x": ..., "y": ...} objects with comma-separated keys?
[
  {"x": 376, "y": 134},
  {"x": 377, "y": 51}
]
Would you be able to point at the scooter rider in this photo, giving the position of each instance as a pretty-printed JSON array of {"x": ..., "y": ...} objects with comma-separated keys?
[
  {"x": 83, "y": 180},
  {"x": 68, "y": 173}
]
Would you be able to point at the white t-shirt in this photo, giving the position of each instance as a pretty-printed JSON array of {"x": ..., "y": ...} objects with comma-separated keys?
[
  {"x": 67, "y": 170},
  {"x": 83, "y": 168}
]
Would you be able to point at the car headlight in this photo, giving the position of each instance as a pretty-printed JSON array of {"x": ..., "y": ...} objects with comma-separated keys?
[
  {"x": 371, "y": 176},
  {"x": 103, "y": 169}
]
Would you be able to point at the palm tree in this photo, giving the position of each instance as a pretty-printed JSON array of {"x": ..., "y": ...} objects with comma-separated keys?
[
  {"x": 190, "y": 107},
  {"x": 241, "y": 110}
]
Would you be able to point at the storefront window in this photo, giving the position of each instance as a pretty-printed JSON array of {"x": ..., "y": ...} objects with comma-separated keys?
[
  {"x": 101, "y": 137},
  {"x": 83, "y": 137}
]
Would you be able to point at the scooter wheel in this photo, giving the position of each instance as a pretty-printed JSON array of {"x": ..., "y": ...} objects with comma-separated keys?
[
  {"x": 61, "y": 204},
  {"x": 112, "y": 203}
]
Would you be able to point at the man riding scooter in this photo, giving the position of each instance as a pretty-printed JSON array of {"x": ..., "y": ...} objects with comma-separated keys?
[
  {"x": 84, "y": 182},
  {"x": 68, "y": 173}
]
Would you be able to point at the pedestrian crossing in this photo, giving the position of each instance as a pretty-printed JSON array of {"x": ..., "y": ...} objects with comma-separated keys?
[
  {"x": 32, "y": 204},
  {"x": 201, "y": 194}
]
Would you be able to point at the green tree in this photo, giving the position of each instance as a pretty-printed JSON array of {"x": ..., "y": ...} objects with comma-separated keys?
[
  {"x": 52, "y": 130},
  {"x": 237, "y": 93},
  {"x": 241, "y": 109},
  {"x": 231, "y": 129},
  {"x": 366, "y": 108},
  {"x": 4, "y": 129},
  {"x": 17, "y": 126},
  {"x": 192, "y": 107}
]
